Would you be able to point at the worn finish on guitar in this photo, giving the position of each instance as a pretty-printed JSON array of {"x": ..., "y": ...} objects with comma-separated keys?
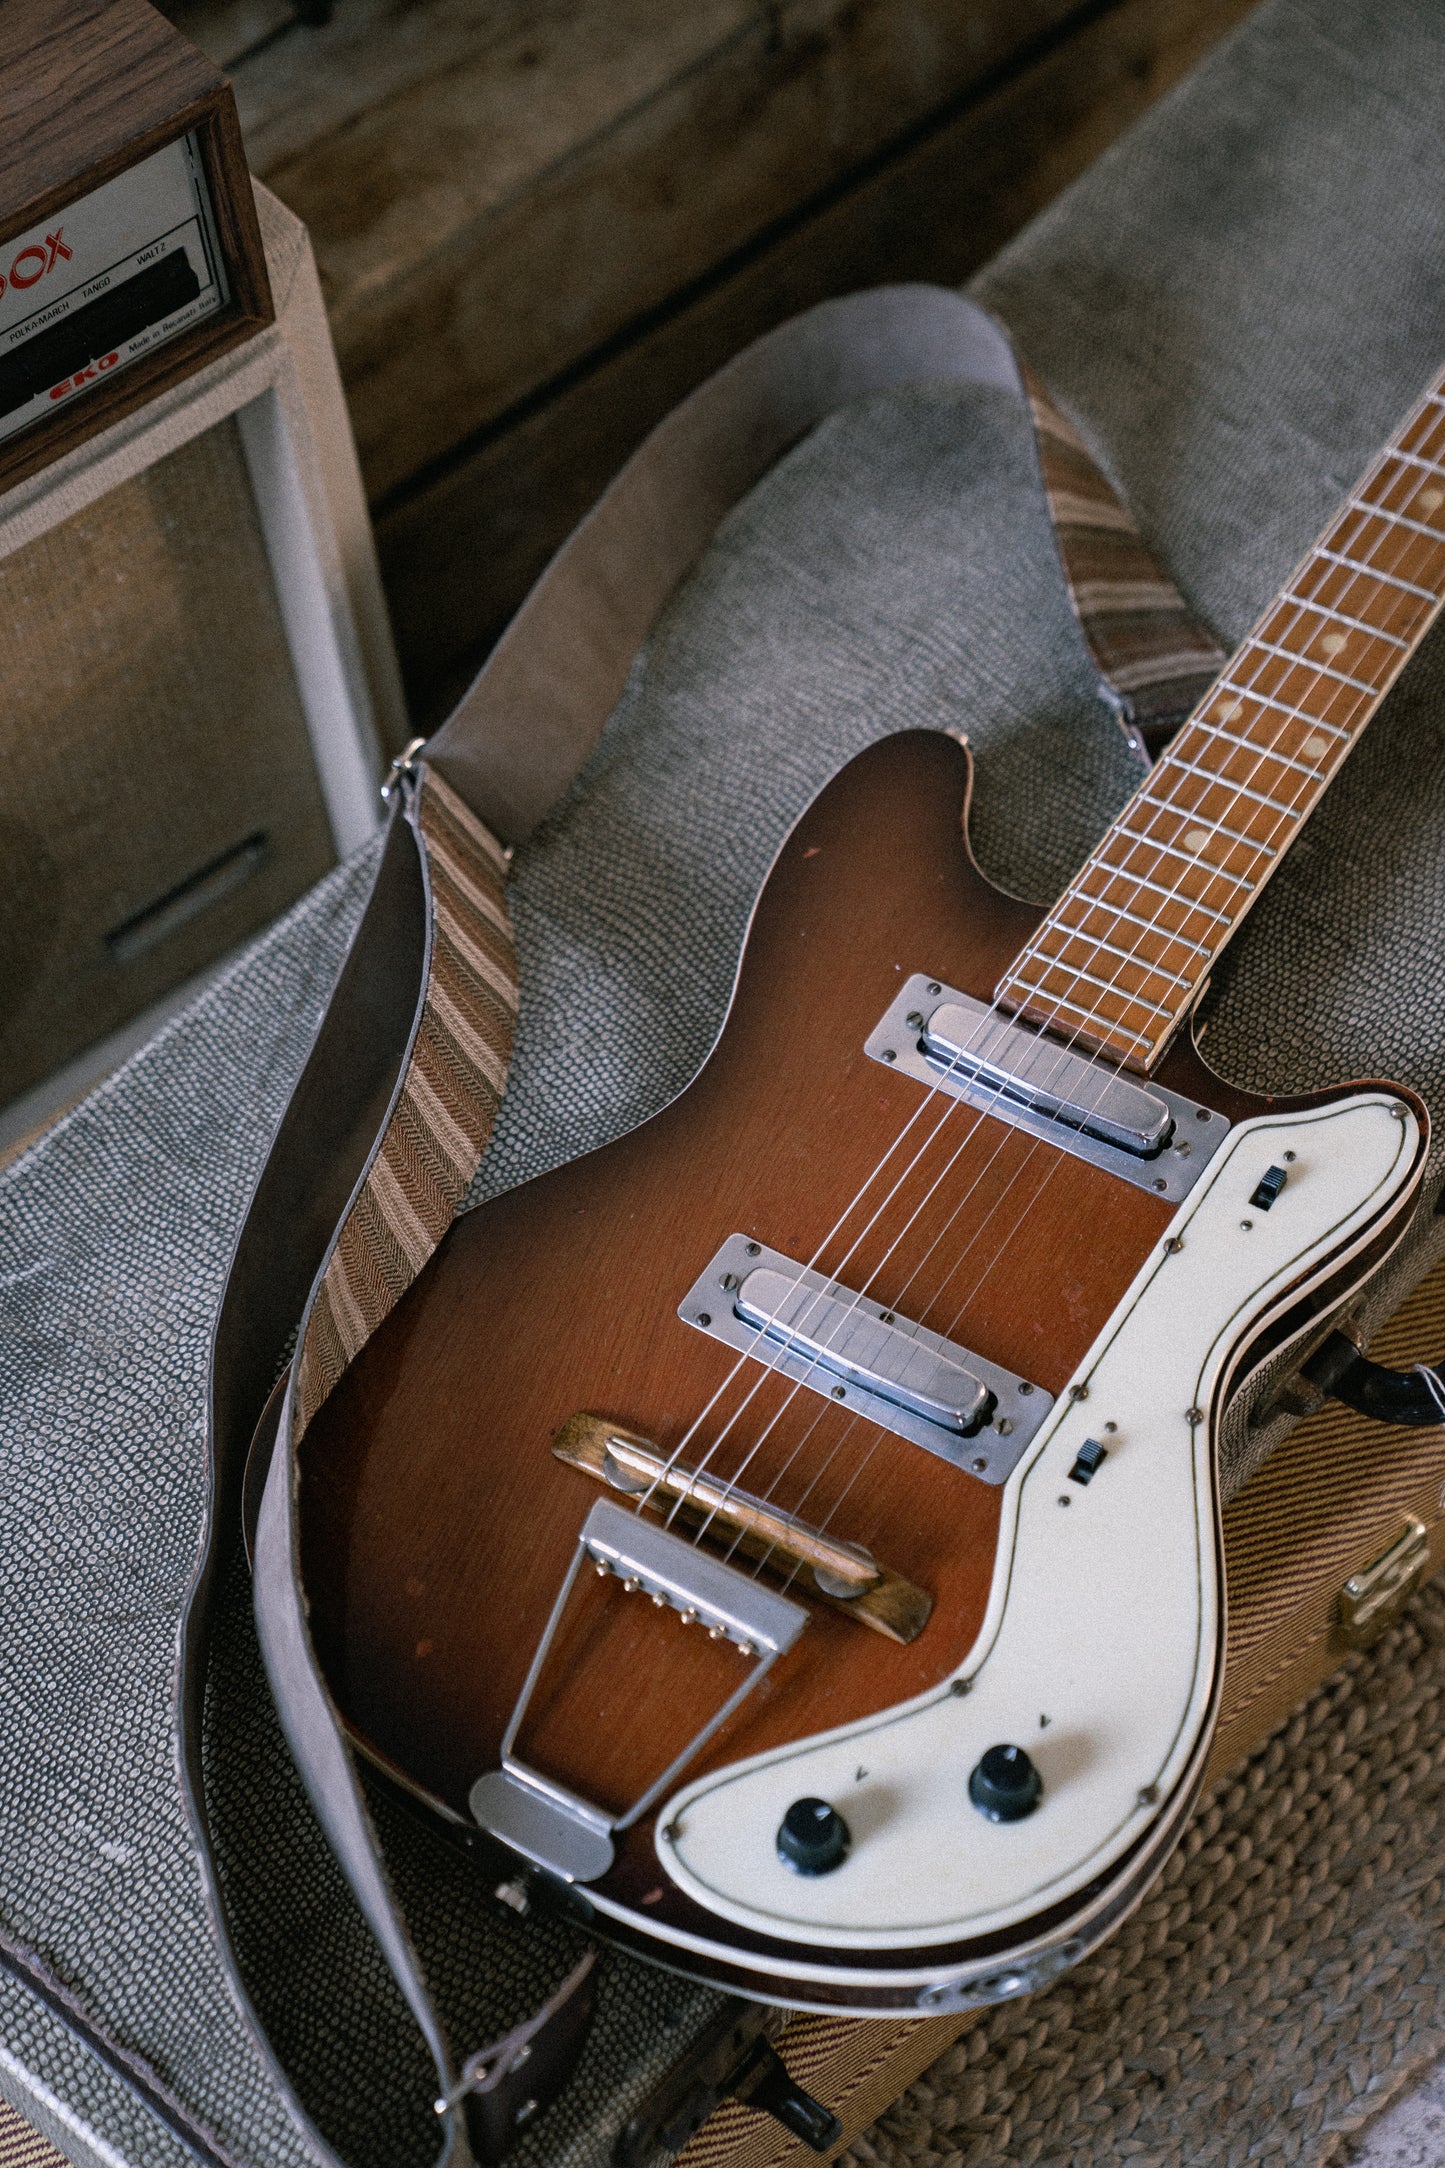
[
  {"x": 437, "y": 1524},
  {"x": 429, "y": 1483}
]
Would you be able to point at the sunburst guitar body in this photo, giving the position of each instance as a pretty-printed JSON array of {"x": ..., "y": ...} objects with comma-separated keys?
[{"x": 794, "y": 1528}]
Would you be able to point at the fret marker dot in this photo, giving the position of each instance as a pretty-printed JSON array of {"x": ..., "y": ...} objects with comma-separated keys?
[
  {"x": 1230, "y": 709},
  {"x": 1315, "y": 746},
  {"x": 1333, "y": 642},
  {"x": 1431, "y": 499},
  {"x": 1195, "y": 838}
]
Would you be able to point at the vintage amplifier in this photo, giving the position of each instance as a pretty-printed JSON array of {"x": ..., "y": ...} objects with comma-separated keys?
[
  {"x": 198, "y": 691},
  {"x": 129, "y": 248}
]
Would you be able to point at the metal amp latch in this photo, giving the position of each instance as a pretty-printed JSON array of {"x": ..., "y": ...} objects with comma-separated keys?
[
  {"x": 505, "y": 2087},
  {"x": 1372, "y": 1599}
]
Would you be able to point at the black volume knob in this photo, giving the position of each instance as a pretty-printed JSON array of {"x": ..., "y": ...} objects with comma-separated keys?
[
  {"x": 813, "y": 1837},
  {"x": 1005, "y": 1786}
]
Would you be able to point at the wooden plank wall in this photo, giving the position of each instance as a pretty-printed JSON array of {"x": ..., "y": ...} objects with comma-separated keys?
[{"x": 540, "y": 222}]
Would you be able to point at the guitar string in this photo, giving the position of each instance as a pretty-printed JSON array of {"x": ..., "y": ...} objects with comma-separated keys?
[
  {"x": 1302, "y": 604},
  {"x": 1030, "y": 1155},
  {"x": 1335, "y": 691},
  {"x": 1307, "y": 604},
  {"x": 1297, "y": 810},
  {"x": 950, "y": 1108},
  {"x": 820, "y": 1472}
]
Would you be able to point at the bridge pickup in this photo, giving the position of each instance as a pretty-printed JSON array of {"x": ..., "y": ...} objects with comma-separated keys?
[
  {"x": 884, "y": 1358},
  {"x": 1149, "y": 1136},
  {"x": 852, "y": 1349}
]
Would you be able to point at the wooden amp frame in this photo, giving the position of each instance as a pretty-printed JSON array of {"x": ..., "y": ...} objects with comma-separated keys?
[{"x": 89, "y": 89}]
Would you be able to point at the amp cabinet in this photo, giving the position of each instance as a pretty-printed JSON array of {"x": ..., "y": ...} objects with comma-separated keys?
[
  {"x": 129, "y": 247},
  {"x": 197, "y": 685}
]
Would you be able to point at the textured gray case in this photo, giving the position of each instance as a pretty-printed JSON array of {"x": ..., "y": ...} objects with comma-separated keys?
[{"x": 1235, "y": 306}]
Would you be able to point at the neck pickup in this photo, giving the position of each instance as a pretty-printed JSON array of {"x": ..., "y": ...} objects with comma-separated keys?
[
  {"x": 965, "y": 1040},
  {"x": 1153, "y": 1138}
]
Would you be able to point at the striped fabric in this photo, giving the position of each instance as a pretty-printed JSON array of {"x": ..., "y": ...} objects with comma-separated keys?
[
  {"x": 448, "y": 1100},
  {"x": 838, "y": 2059},
  {"x": 1145, "y": 642},
  {"x": 21, "y": 2145},
  {"x": 1338, "y": 1476}
]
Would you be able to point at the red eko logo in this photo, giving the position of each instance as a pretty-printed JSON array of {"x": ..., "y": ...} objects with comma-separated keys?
[
  {"x": 82, "y": 377},
  {"x": 33, "y": 262}
]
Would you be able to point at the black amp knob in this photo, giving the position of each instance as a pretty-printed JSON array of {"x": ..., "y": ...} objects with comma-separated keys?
[
  {"x": 1005, "y": 1786},
  {"x": 813, "y": 1837}
]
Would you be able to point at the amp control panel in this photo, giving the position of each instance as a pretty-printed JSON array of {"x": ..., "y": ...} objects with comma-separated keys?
[
  {"x": 130, "y": 249},
  {"x": 89, "y": 290}
]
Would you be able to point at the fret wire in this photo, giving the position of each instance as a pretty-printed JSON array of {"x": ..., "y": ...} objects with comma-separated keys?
[
  {"x": 1431, "y": 398},
  {"x": 1200, "y": 820},
  {"x": 1342, "y": 617},
  {"x": 1301, "y": 715},
  {"x": 1307, "y": 662},
  {"x": 1288, "y": 818},
  {"x": 1106, "y": 986},
  {"x": 1090, "y": 1016},
  {"x": 1218, "y": 872},
  {"x": 1170, "y": 895},
  {"x": 1190, "y": 767},
  {"x": 1416, "y": 459},
  {"x": 1381, "y": 511},
  {"x": 1074, "y": 933},
  {"x": 1117, "y": 910},
  {"x": 1406, "y": 587},
  {"x": 1227, "y": 737}
]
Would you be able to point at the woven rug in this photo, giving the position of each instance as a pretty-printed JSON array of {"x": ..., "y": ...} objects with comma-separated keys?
[{"x": 1283, "y": 1982}]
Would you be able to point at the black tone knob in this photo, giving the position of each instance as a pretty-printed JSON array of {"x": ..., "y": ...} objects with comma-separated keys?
[
  {"x": 813, "y": 1837},
  {"x": 1005, "y": 1786}
]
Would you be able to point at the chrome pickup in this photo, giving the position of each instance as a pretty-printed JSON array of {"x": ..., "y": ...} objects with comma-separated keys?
[
  {"x": 1047, "y": 1077},
  {"x": 1153, "y": 1138},
  {"x": 876, "y": 1364},
  {"x": 883, "y": 1358}
]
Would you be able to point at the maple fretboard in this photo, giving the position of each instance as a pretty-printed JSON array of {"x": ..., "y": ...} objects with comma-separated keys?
[{"x": 1122, "y": 956}]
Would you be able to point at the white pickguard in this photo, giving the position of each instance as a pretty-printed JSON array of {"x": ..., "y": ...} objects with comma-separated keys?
[{"x": 1099, "y": 1647}]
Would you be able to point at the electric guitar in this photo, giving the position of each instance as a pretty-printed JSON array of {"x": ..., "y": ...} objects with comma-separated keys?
[{"x": 794, "y": 1528}]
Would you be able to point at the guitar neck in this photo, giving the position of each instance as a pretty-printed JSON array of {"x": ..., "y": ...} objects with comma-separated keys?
[{"x": 1125, "y": 952}]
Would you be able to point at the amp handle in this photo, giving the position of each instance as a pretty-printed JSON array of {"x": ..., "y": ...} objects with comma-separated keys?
[{"x": 1414, "y": 1398}]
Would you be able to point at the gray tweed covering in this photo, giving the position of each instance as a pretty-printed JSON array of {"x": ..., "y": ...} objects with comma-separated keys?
[{"x": 1235, "y": 305}]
